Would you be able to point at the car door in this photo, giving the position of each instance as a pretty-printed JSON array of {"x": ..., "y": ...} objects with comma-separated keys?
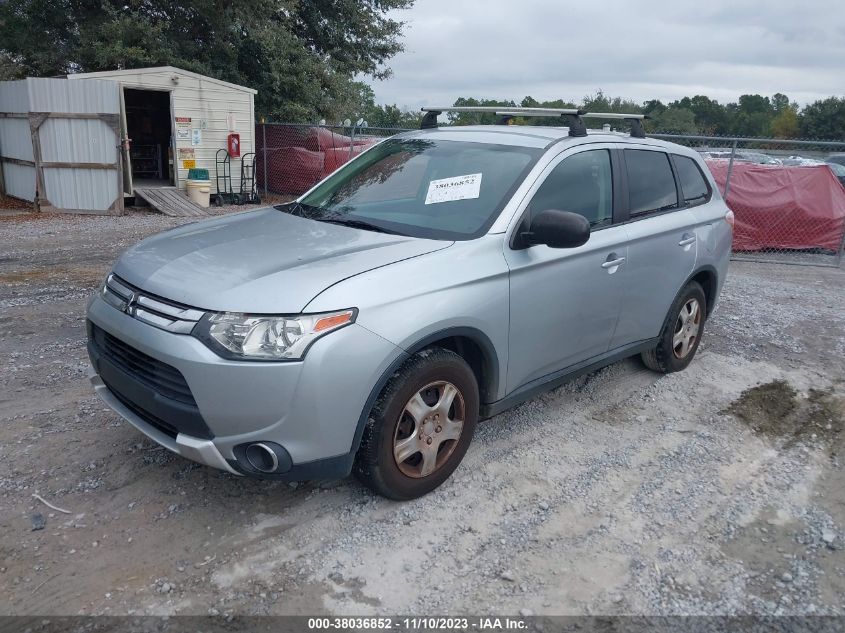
[
  {"x": 564, "y": 303},
  {"x": 662, "y": 247}
]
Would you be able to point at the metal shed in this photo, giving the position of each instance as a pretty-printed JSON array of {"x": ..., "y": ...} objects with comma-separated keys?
[
  {"x": 177, "y": 119},
  {"x": 59, "y": 144}
]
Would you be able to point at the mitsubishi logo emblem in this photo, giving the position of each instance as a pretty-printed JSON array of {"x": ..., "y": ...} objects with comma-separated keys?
[{"x": 131, "y": 303}]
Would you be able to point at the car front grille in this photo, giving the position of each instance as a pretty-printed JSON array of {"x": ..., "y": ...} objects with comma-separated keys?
[
  {"x": 159, "y": 376},
  {"x": 154, "y": 391},
  {"x": 151, "y": 309},
  {"x": 153, "y": 420}
]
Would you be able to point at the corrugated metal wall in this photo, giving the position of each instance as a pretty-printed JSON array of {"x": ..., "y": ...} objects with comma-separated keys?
[
  {"x": 16, "y": 140},
  {"x": 61, "y": 95},
  {"x": 82, "y": 141},
  {"x": 62, "y": 140},
  {"x": 77, "y": 140}
]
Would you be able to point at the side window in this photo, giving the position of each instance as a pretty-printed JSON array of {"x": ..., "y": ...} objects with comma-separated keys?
[
  {"x": 651, "y": 185},
  {"x": 582, "y": 183},
  {"x": 693, "y": 183}
]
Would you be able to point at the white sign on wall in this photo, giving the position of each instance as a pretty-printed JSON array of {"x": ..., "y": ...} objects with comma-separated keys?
[{"x": 196, "y": 136}]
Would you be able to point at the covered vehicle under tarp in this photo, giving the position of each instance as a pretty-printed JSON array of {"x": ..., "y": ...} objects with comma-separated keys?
[
  {"x": 798, "y": 208},
  {"x": 297, "y": 157}
]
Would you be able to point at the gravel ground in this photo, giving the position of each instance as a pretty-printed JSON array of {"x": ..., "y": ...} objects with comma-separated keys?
[{"x": 718, "y": 490}]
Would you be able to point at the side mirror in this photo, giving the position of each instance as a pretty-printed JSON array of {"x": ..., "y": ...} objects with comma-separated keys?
[{"x": 558, "y": 229}]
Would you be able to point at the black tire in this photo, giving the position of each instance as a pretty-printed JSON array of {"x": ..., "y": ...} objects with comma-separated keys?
[
  {"x": 218, "y": 201},
  {"x": 375, "y": 464},
  {"x": 668, "y": 357}
]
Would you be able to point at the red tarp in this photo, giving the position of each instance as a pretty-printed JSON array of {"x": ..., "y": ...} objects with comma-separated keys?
[
  {"x": 295, "y": 169},
  {"x": 779, "y": 207},
  {"x": 300, "y": 156}
]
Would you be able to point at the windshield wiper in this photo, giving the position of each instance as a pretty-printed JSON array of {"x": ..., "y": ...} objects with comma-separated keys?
[
  {"x": 356, "y": 224},
  {"x": 302, "y": 210},
  {"x": 319, "y": 214}
]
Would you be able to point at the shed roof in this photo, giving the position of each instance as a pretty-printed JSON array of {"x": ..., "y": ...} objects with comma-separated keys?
[{"x": 105, "y": 74}]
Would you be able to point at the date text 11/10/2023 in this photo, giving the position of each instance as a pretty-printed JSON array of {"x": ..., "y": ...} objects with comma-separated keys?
[{"x": 419, "y": 623}]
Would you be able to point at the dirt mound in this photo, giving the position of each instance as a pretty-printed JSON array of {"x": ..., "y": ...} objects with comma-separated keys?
[{"x": 776, "y": 410}]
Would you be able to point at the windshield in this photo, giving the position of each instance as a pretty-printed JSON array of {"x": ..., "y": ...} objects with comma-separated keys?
[{"x": 421, "y": 187}]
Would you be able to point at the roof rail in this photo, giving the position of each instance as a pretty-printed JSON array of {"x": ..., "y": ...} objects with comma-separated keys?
[
  {"x": 498, "y": 109},
  {"x": 505, "y": 113},
  {"x": 635, "y": 120}
]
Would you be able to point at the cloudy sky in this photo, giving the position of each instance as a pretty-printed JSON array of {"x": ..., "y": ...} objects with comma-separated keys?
[{"x": 637, "y": 49}]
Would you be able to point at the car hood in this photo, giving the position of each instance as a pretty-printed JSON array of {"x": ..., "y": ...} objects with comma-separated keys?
[{"x": 264, "y": 261}]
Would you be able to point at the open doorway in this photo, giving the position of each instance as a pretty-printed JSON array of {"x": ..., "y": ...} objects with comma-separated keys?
[{"x": 148, "y": 126}]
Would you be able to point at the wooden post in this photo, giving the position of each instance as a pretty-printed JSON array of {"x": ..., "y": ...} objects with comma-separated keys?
[
  {"x": 113, "y": 121},
  {"x": 36, "y": 120}
]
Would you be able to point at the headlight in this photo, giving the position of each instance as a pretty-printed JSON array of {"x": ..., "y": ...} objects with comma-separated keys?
[{"x": 245, "y": 337}]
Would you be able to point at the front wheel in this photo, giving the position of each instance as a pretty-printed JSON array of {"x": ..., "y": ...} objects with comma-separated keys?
[
  {"x": 420, "y": 427},
  {"x": 681, "y": 333}
]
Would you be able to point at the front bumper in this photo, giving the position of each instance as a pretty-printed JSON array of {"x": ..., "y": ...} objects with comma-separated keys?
[
  {"x": 312, "y": 408},
  {"x": 202, "y": 451}
]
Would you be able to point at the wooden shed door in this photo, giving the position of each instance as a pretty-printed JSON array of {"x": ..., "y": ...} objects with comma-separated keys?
[
  {"x": 75, "y": 129},
  {"x": 124, "y": 146}
]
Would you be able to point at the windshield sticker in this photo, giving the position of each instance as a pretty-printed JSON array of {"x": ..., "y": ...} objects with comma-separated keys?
[{"x": 456, "y": 188}]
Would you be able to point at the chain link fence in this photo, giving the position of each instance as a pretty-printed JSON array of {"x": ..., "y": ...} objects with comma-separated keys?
[
  {"x": 789, "y": 202},
  {"x": 291, "y": 158}
]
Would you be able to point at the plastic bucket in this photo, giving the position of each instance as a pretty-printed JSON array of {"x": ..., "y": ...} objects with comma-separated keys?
[{"x": 199, "y": 191}]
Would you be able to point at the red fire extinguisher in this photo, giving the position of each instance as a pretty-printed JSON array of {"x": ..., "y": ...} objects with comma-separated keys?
[{"x": 233, "y": 145}]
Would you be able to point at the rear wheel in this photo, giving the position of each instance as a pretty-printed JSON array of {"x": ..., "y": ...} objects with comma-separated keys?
[
  {"x": 681, "y": 333},
  {"x": 420, "y": 427}
]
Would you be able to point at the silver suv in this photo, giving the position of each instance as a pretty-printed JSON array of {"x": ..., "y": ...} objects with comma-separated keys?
[{"x": 439, "y": 278}]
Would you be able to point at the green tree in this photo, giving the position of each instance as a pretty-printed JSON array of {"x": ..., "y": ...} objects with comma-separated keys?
[
  {"x": 824, "y": 119},
  {"x": 710, "y": 115},
  {"x": 599, "y": 102},
  {"x": 755, "y": 104},
  {"x": 300, "y": 56},
  {"x": 786, "y": 124},
  {"x": 531, "y": 102},
  {"x": 653, "y": 109},
  {"x": 780, "y": 102},
  {"x": 751, "y": 116},
  {"x": 476, "y": 118},
  {"x": 676, "y": 120},
  {"x": 391, "y": 116}
]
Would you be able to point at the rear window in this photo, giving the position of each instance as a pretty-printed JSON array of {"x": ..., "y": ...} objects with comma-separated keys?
[
  {"x": 651, "y": 185},
  {"x": 693, "y": 183}
]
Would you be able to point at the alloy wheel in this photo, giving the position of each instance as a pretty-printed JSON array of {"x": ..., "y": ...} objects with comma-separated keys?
[
  {"x": 428, "y": 429},
  {"x": 687, "y": 327}
]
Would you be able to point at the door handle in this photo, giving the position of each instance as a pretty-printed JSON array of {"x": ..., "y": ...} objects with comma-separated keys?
[
  {"x": 613, "y": 263},
  {"x": 687, "y": 241}
]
